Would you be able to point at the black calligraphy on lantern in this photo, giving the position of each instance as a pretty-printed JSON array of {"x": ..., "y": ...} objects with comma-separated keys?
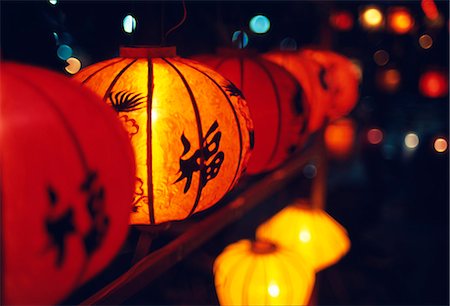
[{"x": 209, "y": 152}]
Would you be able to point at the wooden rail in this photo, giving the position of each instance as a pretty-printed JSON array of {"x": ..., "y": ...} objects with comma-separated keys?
[{"x": 154, "y": 264}]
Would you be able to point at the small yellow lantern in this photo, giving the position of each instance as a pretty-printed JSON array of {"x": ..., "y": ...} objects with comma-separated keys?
[
  {"x": 190, "y": 129},
  {"x": 262, "y": 273},
  {"x": 314, "y": 234}
]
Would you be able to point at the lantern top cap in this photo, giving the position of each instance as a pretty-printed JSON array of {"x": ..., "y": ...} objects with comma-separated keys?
[
  {"x": 263, "y": 247},
  {"x": 236, "y": 52},
  {"x": 147, "y": 51}
]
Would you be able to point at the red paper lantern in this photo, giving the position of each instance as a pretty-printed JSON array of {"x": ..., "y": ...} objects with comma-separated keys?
[
  {"x": 67, "y": 178},
  {"x": 189, "y": 126},
  {"x": 275, "y": 100},
  {"x": 340, "y": 79},
  {"x": 311, "y": 76}
]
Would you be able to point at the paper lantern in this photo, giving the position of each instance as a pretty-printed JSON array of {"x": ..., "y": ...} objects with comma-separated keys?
[
  {"x": 262, "y": 273},
  {"x": 340, "y": 79},
  {"x": 67, "y": 179},
  {"x": 311, "y": 77},
  {"x": 189, "y": 126},
  {"x": 340, "y": 137},
  {"x": 311, "y": 232},
  {"x": 275, "y": 100}
]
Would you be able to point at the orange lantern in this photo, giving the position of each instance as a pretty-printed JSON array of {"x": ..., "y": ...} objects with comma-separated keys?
[
  {"x": 311, "y": 232},
  {"x": 311, "y": 76},
  {"x": 340, "y": 137},
  {"x": 340, "y": 79},
  {"x": 189, "y": 126},
  {"x": 275, "y": 101},
  {"x": 66, "y": 184},
  {"x": 433, "y": 84},
  {"x": 262, "y": 273}
]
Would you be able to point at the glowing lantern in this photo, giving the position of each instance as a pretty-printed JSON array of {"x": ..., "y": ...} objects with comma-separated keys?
[
  {"x": 340, "y": 137},
  {"x": 400, "y": 20},
  {"x": 189, "y": 126},
  {"x": 275, "y": 101},
  {"x": 67, "y": 179},
  {"x": 262, "y": 273},
  {"x": 340, "y": 79},
  {"x": 433, "y": 84},
  {"x": 311, "y": 232},
  {"x": 311, "y": 77}
]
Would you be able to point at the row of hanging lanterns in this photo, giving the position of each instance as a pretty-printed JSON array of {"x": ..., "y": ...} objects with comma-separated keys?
[{"x": 191, "y": 132}]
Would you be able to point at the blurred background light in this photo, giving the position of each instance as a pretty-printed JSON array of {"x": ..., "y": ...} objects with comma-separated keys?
[
  {"x": 389, "y": 80},
  {"x": 381, "y": 57},
  {"x": 129, "y": 24},
  {"x": 74, "y": 65},
  {"x": 64, "y": 52},
  {"x": 375, "y": 136},
  {"x": 341, "y": 20},
  {"x": 288, "y": 44},
  {"x": 411, "y": 140},
  {"x": 371, "y": 17},
  {"x": 400, "y": 20},
  {"x": 240, "y": 39},
  {"x": 310, "y": 171},
  {"x": 53, "y": 2},
  {"x": 425, "y": 41},
  {"x": 259, "y": 24},
  {"x": 430, "y": 9},
  {"x": 440, "y": 144},
  {"x": 433, "y": 84},
  {"x": 56, "y": 37}
]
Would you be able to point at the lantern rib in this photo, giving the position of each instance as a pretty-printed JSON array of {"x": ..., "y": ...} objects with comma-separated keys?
[
  {"x": 247, "y": 279},
  {"x": 102, "y": 68},
  {"x": 61, "y": 116},
  {"x": 199, "y": 130},
  {"x": 288, "y": 280},
  {"x": 235, "y": 117},
  {"x": 150, "y": 84},
  {"x": 278, "y": 101},
  {"x": 266, "y": 302},
  {"x": 229, "y": 278},
  {"x": 221, "y": 62},
  {"x": 116, "y": 78}
]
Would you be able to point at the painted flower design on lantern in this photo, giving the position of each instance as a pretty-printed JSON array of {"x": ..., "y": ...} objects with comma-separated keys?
[
  {"x": 130, "y": 125},
  {"x": 210, "y": 148}
]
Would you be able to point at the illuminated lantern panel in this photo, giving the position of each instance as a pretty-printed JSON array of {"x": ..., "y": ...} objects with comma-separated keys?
[
  {"x": 311, "y": 77},
  {"x": 340, "y": 137},
  {"x": 371, "y": 18},
  {"x": 400, "y": 20},
  {"x": 189, "y": 127},
  {"x": 275, "y": 100},
  {"x": 67, "y": 180},
  {"x": 341, "y": 20},
  {"x": 433, "y": 84},
  {"x": 339, "y": 79},
  {"x": 311, "y": 232},
  {"x": 262, "y": 273}
]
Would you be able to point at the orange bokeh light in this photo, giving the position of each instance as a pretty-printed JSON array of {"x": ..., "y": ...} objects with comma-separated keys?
[
  {"x": 375, "y": 136},
  {"x": 440, "y": 145},
  {"x": 340, "y": 137},
  {"x": 389, "y": 80},
  {"x": 342, "y": 20},
  {"x": 400, "y": 20},
  {"x": 433, "y": 84}
]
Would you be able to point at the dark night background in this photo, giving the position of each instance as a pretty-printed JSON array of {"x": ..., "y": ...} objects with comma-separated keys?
[{"x": 393, "y": 204}]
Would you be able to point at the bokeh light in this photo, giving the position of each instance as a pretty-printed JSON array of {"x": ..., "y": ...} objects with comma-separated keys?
[
  {"x": 288, "y": 44},
  {"x": 358, "y": 68},
  {"x": 371, "y": 18},
  {"x": 440, "y": 145},
  {"x": 129, "y": 24},
  {"x": 389, "y": 80},
  {"x": 56, "y": 37},
  {"x": 425, "y": 41},
  {"x": 381, "y": 57},
  {"x": 341, "y": 20},
  {"x": 240, "y": 39},
  {"x": 374, "y": 136},
  {"x": 64, "y": 52},
  {"x": 259, "y": 24},
  {"x": 430, "y": 9},
  {"x": 53, "y": 2},
  {"x": 400, "y": 20},
  {"x": 310, "y": 171},
  {"x": 411, "y": 140},
  {"x": 74, "y": 65},
  {"x": 433, "y": 84}
]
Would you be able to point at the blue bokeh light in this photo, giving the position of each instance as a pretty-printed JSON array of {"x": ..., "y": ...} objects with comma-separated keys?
[
  {"x": 259, "y": 24},
  {"x": 240, "y": 38},
  {"x": 64, "y": 52},
  {"x": 129, "y": 24}
]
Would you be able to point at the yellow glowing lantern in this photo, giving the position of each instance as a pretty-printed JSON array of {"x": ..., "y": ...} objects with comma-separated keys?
[
  {"x": 314, "y": 234},
  {"x": 262, "y": 273},
  {"x": 189, "y": 126}
]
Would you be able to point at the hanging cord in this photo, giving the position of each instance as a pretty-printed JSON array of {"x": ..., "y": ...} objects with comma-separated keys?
[{"x": 178, "y": 24}]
